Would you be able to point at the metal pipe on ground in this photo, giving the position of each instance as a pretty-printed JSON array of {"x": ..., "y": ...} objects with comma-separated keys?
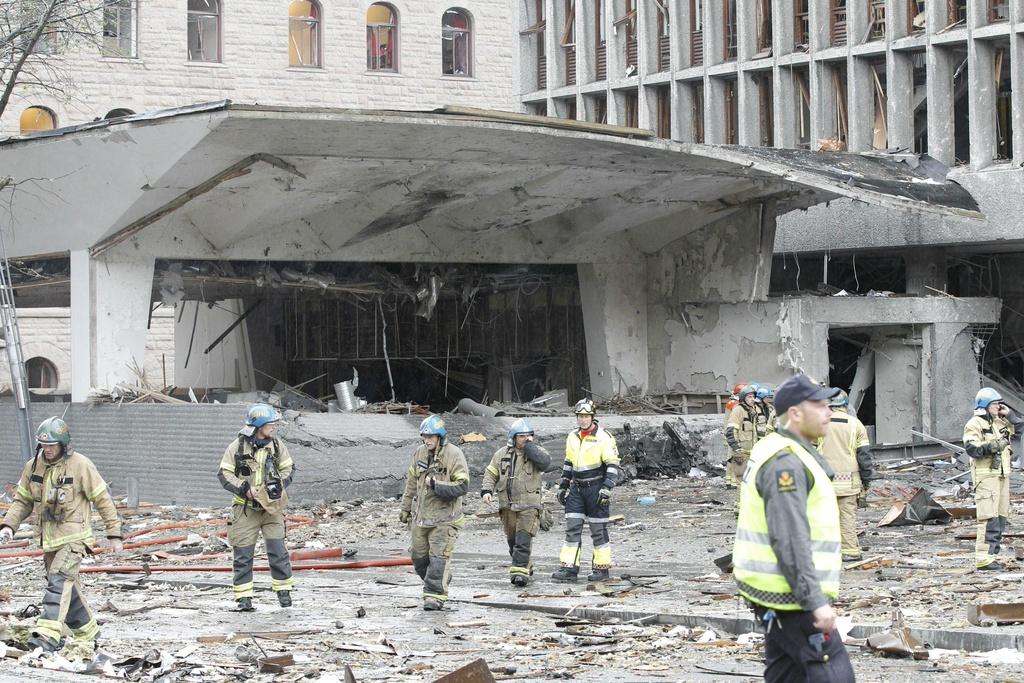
[
  {"x": 468, "y": 406},
  {"x": 321, "y": 566}
]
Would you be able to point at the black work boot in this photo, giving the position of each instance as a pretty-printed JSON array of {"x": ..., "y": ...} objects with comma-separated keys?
[
  {"x": 599, "y": 575},
  {"x": 994, "y": 566},
  {"x": 520, "y": 580},
  {"x": 47, "y": 644},
  {"x": 431, "y": 604},
  {"x": 565, "y": 575},
  {"x": 284, "y": 598},
  {"x": 245, "y": 605}
]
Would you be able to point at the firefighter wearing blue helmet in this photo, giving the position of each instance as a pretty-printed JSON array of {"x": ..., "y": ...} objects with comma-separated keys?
[
  {"x": 514, "y": 476},
  {"x": 257, "y": 469},
  {"x": 987, "y": 441},
  {"x": 435, "y": 485}
]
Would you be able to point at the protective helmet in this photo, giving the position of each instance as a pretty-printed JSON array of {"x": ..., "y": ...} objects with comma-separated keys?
[
  {"x": 765, "y": 392},
  {"x": 53, "y": 430},
  {"x": 585, "y": 407},
  {"x": 840, "y": 400},
  {"x": 746, "y": 391},
  {"x": 985, "y": 397},
  {"x": 433, "y": 426},
  {"x": 262, "y": 414},
  {"x": 518, "y": 427}
]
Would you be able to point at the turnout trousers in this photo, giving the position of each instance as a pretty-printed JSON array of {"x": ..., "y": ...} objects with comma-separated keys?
[
  {"x": 63, "y": 603},
  {"x": 581, "y": 507},
  {"x": 992, "y": 498},
  {"x": 244, "y": 529},
  {"x": 431, "y": 551},
  {"x": 520, "y": 528}
]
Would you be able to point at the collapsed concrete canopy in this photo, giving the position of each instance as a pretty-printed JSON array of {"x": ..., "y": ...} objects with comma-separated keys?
[
  {"x": 230, "y": 181},
  {"x": 649, "y": 224}
]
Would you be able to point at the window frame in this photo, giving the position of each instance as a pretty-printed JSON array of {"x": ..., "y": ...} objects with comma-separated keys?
[
  {"x": 455, "y": 33},
  {"x": 39, "y": 107},
  {"x": 394, "y": 39},
  {"x": 218, "y": 17},
  {"x": 313, "y": 25},
  {"x": 120, "y": 6}
]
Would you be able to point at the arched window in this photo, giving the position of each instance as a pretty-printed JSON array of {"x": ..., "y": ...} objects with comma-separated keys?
[
  {"x": 381, "y": 38},
  {"x": 35, "y": 119},
  {"x": 304, "y": 33},
  {"x": 204, "y": 30},
  {"x": 456, "y": 32},
  {"x": 42, "y": 374},
  {"x": 118, "y": 113}
]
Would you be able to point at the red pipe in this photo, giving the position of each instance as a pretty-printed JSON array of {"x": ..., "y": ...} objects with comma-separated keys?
[
  {"x": 321, "y": 566},
  {"x": 15, "y": 544}
]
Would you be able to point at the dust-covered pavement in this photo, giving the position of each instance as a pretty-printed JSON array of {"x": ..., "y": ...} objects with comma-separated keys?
[{"x": 523, "y": 634}]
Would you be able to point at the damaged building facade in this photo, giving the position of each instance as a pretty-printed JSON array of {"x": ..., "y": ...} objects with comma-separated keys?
[{"x": 867, "y": 77}]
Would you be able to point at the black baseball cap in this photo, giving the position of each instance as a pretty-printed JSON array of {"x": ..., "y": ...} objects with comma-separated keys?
[{"x": 800, "y": 388}]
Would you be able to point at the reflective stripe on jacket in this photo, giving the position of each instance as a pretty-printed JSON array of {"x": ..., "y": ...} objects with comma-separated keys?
[
  {"x": 591, "y": 457},
  {"x": 757, "y": 571},
  {"x": 846, "y": 435}
]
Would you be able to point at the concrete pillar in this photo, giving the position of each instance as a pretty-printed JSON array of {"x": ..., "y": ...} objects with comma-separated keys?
[
  {"x": 749, "y": 113},
  {"x": 860, "y": 86},
  {"x": 900, "y": 96},
  {"x": 940, "y": 104},
  {"x": 81, "y": 325},
  {"x": 982, "y": 102},
  {"x": 897, "y": 388},
  {"x": 121, "y": 285},
  {"x": 786, "y": 105},
  {"x": 614, "y": 302},
  {"x": 926, "y": 267}
]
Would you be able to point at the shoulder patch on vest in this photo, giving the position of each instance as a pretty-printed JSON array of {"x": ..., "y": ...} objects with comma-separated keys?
[{"x": 786, "y": 482}]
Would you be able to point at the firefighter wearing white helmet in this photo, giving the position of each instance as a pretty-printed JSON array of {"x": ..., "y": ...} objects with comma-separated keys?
[
  {"x": 62, "y": 486},
  {"x": 514, "y": 476},
  {"x": 257, "y": 468},
  {"x": 589, "y": 473},
  {"x": 435, "y": 485},
  {"x": 987, "y": 441}
]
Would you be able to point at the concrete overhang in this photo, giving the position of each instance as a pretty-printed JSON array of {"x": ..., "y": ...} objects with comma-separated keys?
[{"x": 230, "y": 181}]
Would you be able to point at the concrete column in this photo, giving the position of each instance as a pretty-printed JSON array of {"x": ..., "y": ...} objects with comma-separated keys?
[
  {"x": 897, "y": 388},
  {"x": 785, "y": 104},
  {"x": 81, "y": 326},
  {"x": 823, "y": 103},
  {"x": 121, "y": 292},
  {"x": 614, "y": 302},
  {"x": 926, "y": 267},
  {"x": 940, "y": 105},
  {"x": 982, "y": 102},
  {"x": 749, "y": 112},
  {"x": 860, "y": 85},
  {"x": 1017, "y": 97},
  {"x": 900, "y": 95}
]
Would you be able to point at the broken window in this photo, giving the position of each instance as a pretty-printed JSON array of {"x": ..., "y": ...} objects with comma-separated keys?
[
  {"x": 304, "y": 33},
  {"x": 801, "y": 26},
  {"x": 920, "y": 101},
  {"x": 956, "y": 12},
  {"x": 916, "y": 16},
  {"x": 664, "y": 43},
  {"x": 1004, "y": 103},
  {"x": 381, "y": 38},
  {"x": 837, "y": 22},
  {"x": 876, "y": 19},
  {"x": 729, "y": 23},
  {"x": 880, "y": 127},
  {"x": 600, "y": 42},
  {"x": 766, "y": 108},
  {"x": 566, "y": 108},
  {"x": 764, "y": 27},
  {"x": 732, "y": 117},
  {"x": 35, "y": 119},
  {"x": 628, "y": 22},
  {"x": 118, "y": 113},
  {"x": 802, "y": 91},
  {"x": 840, "y": 126},
  {"x": 597, "y": 108},
  {"x": 696, "y": 33},
  {"x": 568, "y": 41},
  {"x": 119, "y": 28},
  {"x": 456, "y": 43},
  {"x": 961, "y": 107},
  {"x": 536, "y": 29},
  {"x": 204, "y": 30},
  {"x": 630, "y": 110},
  {"x": 663, "y": 101},
  {"x": 538, "y": 108},
  {"x": 42, "y": 373},
  {"x": 998, "y": 10},
  {"x": 697, "y": 112}
]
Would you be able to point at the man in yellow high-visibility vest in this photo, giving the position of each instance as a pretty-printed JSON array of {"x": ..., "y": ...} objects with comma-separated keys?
[{"x": 787, "y": 551}]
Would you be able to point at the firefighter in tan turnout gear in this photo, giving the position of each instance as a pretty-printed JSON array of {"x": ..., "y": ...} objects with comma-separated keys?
[
  {"x": 514, "y": 476},
  {"x": 435, "y": 484},
  {"x": 847, "y": 450},
  {"x": 61, "y": 485},
  {"x": 257, "y": 469},
  {"x": 987, "y": 441},
  {"x": 744, "y": 426}
]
